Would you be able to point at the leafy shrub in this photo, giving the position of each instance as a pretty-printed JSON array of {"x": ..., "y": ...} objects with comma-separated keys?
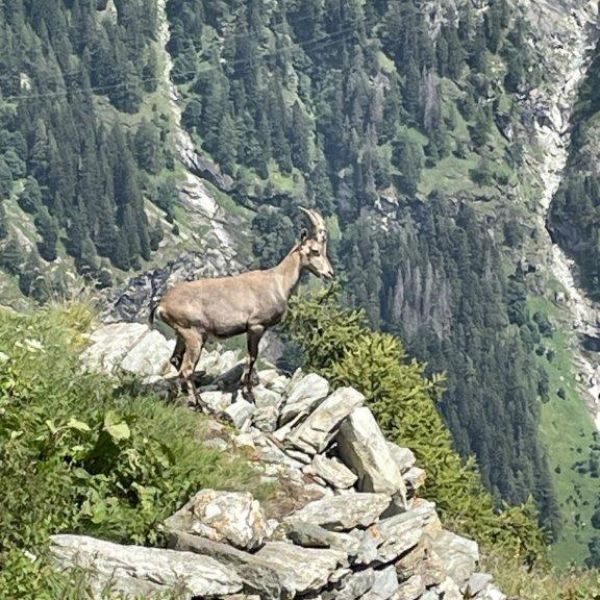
[
  {"x": 338, "y": 344},
  {"x": 85, "y": 453}
]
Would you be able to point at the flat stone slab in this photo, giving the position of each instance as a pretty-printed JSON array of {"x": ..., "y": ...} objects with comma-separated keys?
[
  {"x": 302, "y": 569},
  {"x": 314, "y": 434},
  {"x": 333, "y": 471},
  {"x": 232, "y": 517},
  {"x": 341, "y": 513},
  {"x": 138, "y": 571},
  {"x": 303, "y": 396},
  {"x": 309, "y": 535},
  {"x": 256, "y": 574}
]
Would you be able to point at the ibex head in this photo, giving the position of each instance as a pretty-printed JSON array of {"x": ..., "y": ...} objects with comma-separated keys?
[{"x": 313, "y": 247}]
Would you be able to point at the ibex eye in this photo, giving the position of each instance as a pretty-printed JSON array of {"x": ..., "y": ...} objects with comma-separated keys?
[{"x": 315, "y": 252}]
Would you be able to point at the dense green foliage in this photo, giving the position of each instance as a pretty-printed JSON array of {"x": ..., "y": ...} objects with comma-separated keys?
[
  {"x": 71, "y": 75},
  {"x": 338, "y": 344},
  {"x": 84, "y": 453},
  {"x": 361, "y": 109}
]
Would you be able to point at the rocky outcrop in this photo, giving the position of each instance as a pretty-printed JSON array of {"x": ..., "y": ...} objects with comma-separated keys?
[{"x": 346, "y": 521}]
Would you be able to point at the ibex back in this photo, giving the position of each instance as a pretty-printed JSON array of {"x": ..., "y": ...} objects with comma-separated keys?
[{"x": 247, "y": 303}]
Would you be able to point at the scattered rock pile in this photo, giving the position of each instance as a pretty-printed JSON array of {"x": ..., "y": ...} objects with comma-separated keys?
[{"x": 346, "y": 523}]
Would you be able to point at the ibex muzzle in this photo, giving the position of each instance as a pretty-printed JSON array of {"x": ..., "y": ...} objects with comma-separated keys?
[{"x": 247, "y": 303}]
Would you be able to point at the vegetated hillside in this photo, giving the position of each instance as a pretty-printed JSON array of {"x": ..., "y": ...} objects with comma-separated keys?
[
  {"x": 94, "y": 454},
  {"x": 404, "y": 122},
  {"x": 401, "y": 124},
  {"x": 83, "y": 141}
]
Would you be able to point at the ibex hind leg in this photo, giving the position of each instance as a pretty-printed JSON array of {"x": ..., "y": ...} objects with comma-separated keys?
[
  {"x": 177, "y": 357},
  {"x": 254, "y": 336},
  {"x": 194, "y": 342}
]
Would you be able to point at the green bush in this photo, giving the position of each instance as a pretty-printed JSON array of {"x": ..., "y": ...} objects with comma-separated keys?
[
  {"x": 85, "y": 453},
  {"x": 338, "y": 344}
]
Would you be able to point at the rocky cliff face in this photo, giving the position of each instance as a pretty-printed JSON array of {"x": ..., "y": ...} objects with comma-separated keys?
[
  {"x": 347, "y": 520},
  {"x": 566, "y": 35}
]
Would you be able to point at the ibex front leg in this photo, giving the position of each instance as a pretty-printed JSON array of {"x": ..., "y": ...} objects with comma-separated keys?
[{"x": 255, "y": 334}]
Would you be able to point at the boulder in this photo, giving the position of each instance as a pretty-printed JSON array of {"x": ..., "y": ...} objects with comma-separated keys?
[
  {"x": 477, "y": 582},
  {"x": 264, "y": 397},
  {"x": 491, "y": 592},
  {"x": 149, "y": 356},
  {"x": 239, "y": 413},
  {"x": 303, "y": 396},
  {"x": 257, "y": 575},
  {"x": 398, "y": 535},
  {"x": 233, "y": 517},
  {"x": 308, "y": 535},
  {"x": 303, "y": 570},
  {"x": 217, "y": 402},
  {"x": 363, "y": 448},
  {"x": 459, "y": 555},
  {"x": 333, "y": 471},
  {"x": 337, "y": 513},
  {"x": 265, "y": 418},
  {"x": 448, "y": 590},
  {"x": 403, "y": 457},
  {"x": 110, "y": 344},
  {"x": 355, "y": 586},
  {"x": 384, "y": 586},
  {"x": 315, "y": 433},
  {"x": 414, "y": 478},
  {"x": 136, "y": 571},
  {"x": 411, "y": 589}
]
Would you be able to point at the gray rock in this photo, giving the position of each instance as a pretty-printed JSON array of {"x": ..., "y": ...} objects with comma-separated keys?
[
  {"x": 149, "y": 356},
  {"x": 460, "y": 556},
  {"x": 369, "y": 541},
  {"x": 403, "y": 457},
  {"x": 491, "y": 592},
  {"x": 385, "y": 584},
  {"x": 299, "y": 456},
  {"x": 137, "y": 571},
  {"x": 399, "y": 534},
  {"x": 267, "y": 376},
  {"x": 363, "y": 448},
  {"x": 308, "y": 535},
  {"x": 411, "y": 589},
  {"x": 265, "y": 418},
  {"x": 217, "y": 402},
  {"x": 110, "y": 344},
  {"x": 240, "y": 412},
  {"x": 302, "y": 570},
  {"x": 303, "y": 396},
  {"x": 414, "y": 478},
  {"x": 448, "y": 590},
  {"x": 257, "y": 575},
  {"x": 337, "y": 513},
  {"x": 334, "y": 472},
  {"x": 233, "y": 517},
  {"x": 315, "y": 433},
  {"x": 354, "y": 586},
  {"x": 264, "y": 398},
  {"x": 477, "y": 582}
]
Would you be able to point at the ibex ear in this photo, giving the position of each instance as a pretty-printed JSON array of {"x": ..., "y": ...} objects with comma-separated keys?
[{"x": 303, "y": 235}]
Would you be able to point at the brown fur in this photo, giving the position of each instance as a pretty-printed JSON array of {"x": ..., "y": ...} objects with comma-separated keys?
[{"x": 248, "y": 303}]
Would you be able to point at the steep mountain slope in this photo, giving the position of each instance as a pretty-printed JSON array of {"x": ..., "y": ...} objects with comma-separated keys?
[{"x": 432, "y": 135}]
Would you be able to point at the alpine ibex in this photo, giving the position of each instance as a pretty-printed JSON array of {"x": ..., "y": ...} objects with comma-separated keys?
[{"x": 247, "y": 303}]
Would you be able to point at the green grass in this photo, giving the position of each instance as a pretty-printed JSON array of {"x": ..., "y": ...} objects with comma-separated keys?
[
  {"x": 88, "y": 454},
  {"x": 567, "y": 431}
]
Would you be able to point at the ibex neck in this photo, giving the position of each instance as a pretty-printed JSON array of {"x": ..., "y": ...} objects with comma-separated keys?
[{"x": 289, "y": 272}]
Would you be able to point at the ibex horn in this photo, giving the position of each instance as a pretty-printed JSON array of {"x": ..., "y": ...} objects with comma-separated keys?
[{"x": 318, "y": 223}]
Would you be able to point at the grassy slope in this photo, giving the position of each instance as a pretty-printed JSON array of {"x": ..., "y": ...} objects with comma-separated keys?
[
  {"x": 87, "y": 454},
  {"x": 566, "y": 430}
]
